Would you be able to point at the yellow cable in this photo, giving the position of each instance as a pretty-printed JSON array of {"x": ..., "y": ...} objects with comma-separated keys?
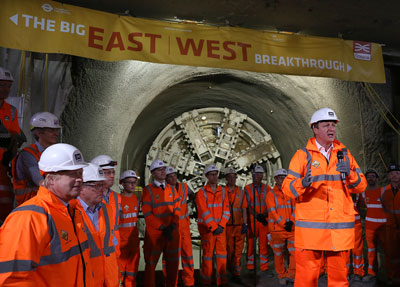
[
  {"x": 382, "y": 102},
  {"x": 379, "y": 109}
]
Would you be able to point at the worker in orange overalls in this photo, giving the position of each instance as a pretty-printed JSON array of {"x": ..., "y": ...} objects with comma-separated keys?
[
  {"x": 161, "y": 211},
  {"x": 98, "y": 227},
  {"x": 184, "y": 227},
  {"x": 260, "y": 230},
  {"x": 128, "y": 230},
  {"x": 45, "y": 129},
  {"x": 213, "y": 213},
  {"x": 11, "y": 138},
  {"x": 374, "y": 222},
  {"x": 390, "y": 199},
  {"x": 321, "y": 177},
  {"x": 357, "y": 251},
  {"x": 112, "y": 199},
  {"x": 281, "y": 227},
  {"x": 237, "y": 226},
  {"x": 43, "y": 242}
]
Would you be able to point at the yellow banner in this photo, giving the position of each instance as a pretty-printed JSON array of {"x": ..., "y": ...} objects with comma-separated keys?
[{"x": 52, "y": 27}]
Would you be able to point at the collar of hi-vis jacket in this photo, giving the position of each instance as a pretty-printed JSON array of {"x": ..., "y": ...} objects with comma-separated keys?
[{"x": 312, "y": 146}]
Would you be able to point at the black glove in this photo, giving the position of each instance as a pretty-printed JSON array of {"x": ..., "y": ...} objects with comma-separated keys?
[
  {"x": 344, "y": 167},
  {"x": 261, "y": 218},
  {"x": 218, "y": 230},
  {"x": 245, "y": 229},
  {"x": 306, "y": 181},
  {"x": 288, "y": 226},
  {"x": 167, "y": 232}
]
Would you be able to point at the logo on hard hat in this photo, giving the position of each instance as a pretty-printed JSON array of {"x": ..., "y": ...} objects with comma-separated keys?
[
  {"x": 78, "y": 157},
  {"x": 332, "y": 114},
  {"x": 47, "y": 7},
  {"x": 101, "y": 173}
]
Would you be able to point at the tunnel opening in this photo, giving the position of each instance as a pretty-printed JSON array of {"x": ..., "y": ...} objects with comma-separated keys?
[{"x": 263, "y": 102}]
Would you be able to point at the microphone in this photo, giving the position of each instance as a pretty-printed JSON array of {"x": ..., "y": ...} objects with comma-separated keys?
[{"x": 340, "y": 159}]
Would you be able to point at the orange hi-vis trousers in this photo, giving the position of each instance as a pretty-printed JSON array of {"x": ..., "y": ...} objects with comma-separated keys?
[
  {"x": 279, "y": 241},
  {"x": 262, "y": 234},
  {"x": 235, "y": 244},
  {"x": 357, "y": 252},
  {"x": 186, "y": 257},
  {"x": 373, "y": 237},
  {"x": 155, "y": 244},
  {"x": 209, "y": 244},
  {"x": 308, "y": 263}
]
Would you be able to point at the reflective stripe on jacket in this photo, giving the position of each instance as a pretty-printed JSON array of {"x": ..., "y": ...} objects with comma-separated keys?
[
  {"x": 261, "y": 198},
  {"x": 324, "y": 210},
  {"x": 375, "y": 216},
  {"x": 183, "y": 194},
  {"x": 237, "y": 203},
  {"x": 102, "y": 251},
  {"x": 24, "y": 189},
  {"x": 40, "y": 247},
  {"x": 391, "y": 206},
  {"x": 161, "y": 207},
  {"x": 213, "y": 208},
  {"x": 280, "y": 209}
]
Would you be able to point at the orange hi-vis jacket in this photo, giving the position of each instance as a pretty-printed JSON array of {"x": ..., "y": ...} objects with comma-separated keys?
[
  {"x": 23, "y": 189},
  {"x": 160, "y": 207},
  {"x": 324, "y": 210},
  {"x": 41, "y": 245},
  {"x": 391, "y": 205},
  {"x": 102, "y": 251},
  {"x": 261, "y": 199},
  {"x": 184, "y": 214},
  {"x": 375, "y": 217},
  {"x": 213, "y": 208},
  {"x": 128, "y": 220},
  {"x": 280, "y": 209},
  {"x": 113, "y": 204},
  {"x": 237, "y": 202}
]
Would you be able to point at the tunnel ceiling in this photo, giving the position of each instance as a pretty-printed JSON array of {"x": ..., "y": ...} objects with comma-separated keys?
[{"x": 368, "y": 20}]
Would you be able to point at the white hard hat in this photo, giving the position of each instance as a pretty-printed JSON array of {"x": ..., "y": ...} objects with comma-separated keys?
[
  {"x": 324, "y": 114},
  {"x": 258, "y": 168},
  {"x": 93, "y": 172},
  {"x": 5, "y": 75},
  {"x": 280, "y": 171},
  {"x": 44, "y": 120},
  {"x": 157, "y": 164},
  {"x": 229, "y": 170},
  {"x": 127, "y": 174},
  {"x": 61, "y": 156},
  {"x": 209, "y": 168},
  {"x": 104, "y": 161},
  {"x": 170, "y": 170}
]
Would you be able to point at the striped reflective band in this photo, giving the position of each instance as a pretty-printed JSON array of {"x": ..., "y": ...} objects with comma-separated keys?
[
  {"x": 237, "y": 209},
  {"x": 295, "y": 174},
  {"x": 129, "y": 224},
  {"x": 370, "y": 219},
  {"x": 374, "y": 205},
  {"x": 354, "y": 185},
  {"x": 325, "y": 225},
  {"x": 279, "y": 219},
  {"x": 129, "y": 215},
  {"x": 293, "y": 190},
  {"x": 184, "y": 216},
  {"x": 188, "y": 258},
  {"x": 278, "y": 245},
  {"x": 205, "y": 213},
  {"x": 17, "y": 265},
  {"x": 356, "y": 217},
  {"x": 220, "y": 256}
]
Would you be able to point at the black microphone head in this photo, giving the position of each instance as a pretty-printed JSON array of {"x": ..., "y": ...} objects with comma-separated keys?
[{"x": 340, "y": 154}]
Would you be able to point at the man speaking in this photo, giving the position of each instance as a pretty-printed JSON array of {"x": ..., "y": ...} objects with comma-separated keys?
[{"x": 321, "y": 177}]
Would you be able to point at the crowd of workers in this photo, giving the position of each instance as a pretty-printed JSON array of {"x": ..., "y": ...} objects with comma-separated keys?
[{"x": 69, "y": 228}]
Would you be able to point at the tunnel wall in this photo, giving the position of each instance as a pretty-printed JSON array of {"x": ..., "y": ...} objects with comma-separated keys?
[{"x": 119, "y": 108}]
